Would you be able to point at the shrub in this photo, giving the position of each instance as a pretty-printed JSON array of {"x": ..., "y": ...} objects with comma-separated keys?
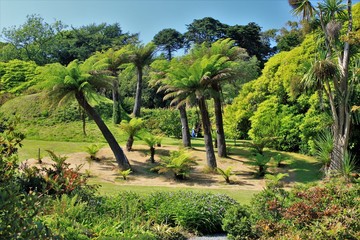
[
  {"x": 57, "y": 180},
  {"x": 199, "y": 212},
  {"x": 329, "y": 210},
  {"x": 237, "y": 223},
  {"x": 18, "y": 209}
]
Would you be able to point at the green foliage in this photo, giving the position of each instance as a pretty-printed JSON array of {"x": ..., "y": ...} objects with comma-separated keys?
[
  {"x": 226, "y": 174},
  {"x": 169, "y": 40},
  {"x": 278, "y": 159},
  {"x": 260, "y": 161},
  {"x": 275, "y": 180},
  {"x": 167, "y": 121},
  {"x": 349, "y": 166},
  {"x": 17, "y": 76},
  {"x": 57, "y": 180},
  {"x": 237, "y": 224},
  {"x": 131, "y": 129},
  {"x": 63, "y": 215},
  {"x": 125, "y": 173},
  {"x": 323, "y": 147},
  {"x": 18, "y": 209},
  {"x": 92, "y": 150},
  {"x": 179, "y": 163},
  {"x": 202, "y": 213},
  {"x": 326, "y": 210}
]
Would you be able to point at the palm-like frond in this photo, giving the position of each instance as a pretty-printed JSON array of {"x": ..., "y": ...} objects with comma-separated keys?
[
  {"x": 132, "y": 127},
  {"x": 303, "y": 8},
  {"x": 332, "y": 9}
]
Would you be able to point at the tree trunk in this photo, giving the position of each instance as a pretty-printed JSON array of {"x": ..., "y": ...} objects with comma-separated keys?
[
  {"x": 210, "y": 155},
  {"x": 152, "y": 154},
  {"x": 137, "y": 105},
  {"x": 221, "y": 143},
  {"x": 129, "y": 143},
  {"x": 116, "y": 102},
  {"x": 337, "y": 154},
  {"x": 83, "y": 119},
  {"x": 185, "y": 131},
  {"x": 120, "y": 157}
]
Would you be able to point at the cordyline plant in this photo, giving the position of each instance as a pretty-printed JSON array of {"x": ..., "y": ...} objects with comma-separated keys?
[{"x": 334, "y": 72}]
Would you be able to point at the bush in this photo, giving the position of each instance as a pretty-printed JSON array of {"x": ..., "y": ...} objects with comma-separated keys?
[
  {"x": 236, "y": 223},
  {"x": 199, "y": 212},
  {"x": 329, "y": 210},
  {"x": 18, "y": 210},
  {"x": 167, "y": 121},
  {"x": 56, "y": 180}
]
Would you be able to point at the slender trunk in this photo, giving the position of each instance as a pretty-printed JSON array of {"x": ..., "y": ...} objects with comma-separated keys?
[
  {"x": 220, "y": 138},
  {"x": 152, "y": 154},
  {"x": 185, "y": 131},
  {"x": 129, "y": 143},
  {"x": 337, "y": 154},
  {"x": 340, "y": 105},
  {"x": 83, "y": 119},
  {"x": 137, "y": 105},
  {"x": 210, "y": 155},
  {"x": 120, "y": 157},
  {"x": 116, "y": 102}
]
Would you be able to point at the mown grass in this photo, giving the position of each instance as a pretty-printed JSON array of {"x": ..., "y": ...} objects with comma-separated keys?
[{"x": 240, "y": 195}]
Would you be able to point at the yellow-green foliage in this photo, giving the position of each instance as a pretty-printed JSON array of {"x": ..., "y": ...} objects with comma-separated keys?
[{"x": 16, "y": 75}]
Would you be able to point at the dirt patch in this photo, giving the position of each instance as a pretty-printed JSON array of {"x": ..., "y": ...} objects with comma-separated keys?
[{"x": 106, "y": 169}]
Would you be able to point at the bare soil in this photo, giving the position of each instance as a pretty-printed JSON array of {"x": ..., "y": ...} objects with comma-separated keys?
[{"x": 106, "y": 170}]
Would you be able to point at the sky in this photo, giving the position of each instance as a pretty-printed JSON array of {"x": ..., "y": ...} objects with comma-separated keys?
[{"x": 148, "y": 17}]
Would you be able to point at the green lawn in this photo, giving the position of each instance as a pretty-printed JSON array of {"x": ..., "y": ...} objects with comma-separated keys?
[{"x": 242, "y": 196}]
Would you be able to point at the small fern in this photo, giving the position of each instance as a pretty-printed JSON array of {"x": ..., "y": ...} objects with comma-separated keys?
[
  {"x": 225, "y": 173},
  {"x": 275, "y": 180},
  {"x": 125, "y": 173}
]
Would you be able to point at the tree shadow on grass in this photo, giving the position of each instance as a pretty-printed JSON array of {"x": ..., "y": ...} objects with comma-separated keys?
[{"x": 304, "y": 171}]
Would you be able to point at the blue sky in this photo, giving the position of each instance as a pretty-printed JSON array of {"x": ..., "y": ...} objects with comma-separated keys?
[{"x": 148, "y": 17}]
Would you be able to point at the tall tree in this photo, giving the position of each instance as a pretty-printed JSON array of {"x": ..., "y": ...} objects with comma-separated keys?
[
  {"x": 206, "y": 30},
  {"x": 140, "y": 56},
  {"x": 34, "y": 40},
  {"x": 80, "y": 43},
  {"x": 250, "y": 37},
  {"x": 169, "y": 40},
  {"x": 189, "y": 81},
  {"x": 111, "y": 61},
  {"x": 158, "y": 72},
  {"x": 234, "y": 55},
  {"x": 75, "y": 81},
  {"x": 332, "y": 70}
]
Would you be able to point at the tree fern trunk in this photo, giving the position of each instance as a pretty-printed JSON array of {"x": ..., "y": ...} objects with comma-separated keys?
[
  {"x": 116, "y": 102},
  {"x": 137, "y": 105},
  {"x": 152, "y": 154},
  {"x": 220, "y": 138},
  {"x": 120, "y": 157},
  {"x": 129, "y": 143},
  {"x": 210, "y": 155},
  {"x": 185, "y": 131}
]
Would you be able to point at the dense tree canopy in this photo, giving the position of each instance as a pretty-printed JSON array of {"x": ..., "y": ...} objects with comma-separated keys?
[
  {"x": 43, "y": 43},
  {"x": 169, "y": 40}
]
